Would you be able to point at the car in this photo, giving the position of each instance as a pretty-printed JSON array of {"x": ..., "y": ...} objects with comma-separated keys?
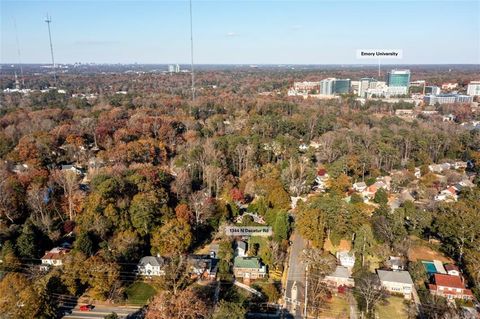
[{"x": 86, "y": 307}]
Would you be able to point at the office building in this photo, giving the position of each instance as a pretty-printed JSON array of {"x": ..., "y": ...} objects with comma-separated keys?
[
  {"x": 473, "y": 88},
  {"x": 398, "y": 78},
  {"x": 341, "y": 86},
  {"x": 327, "y": 86},
  {"x": 364, "y": 84},
  {"x": 435, "y": 90},
  {"x": 447, "y": 99}
]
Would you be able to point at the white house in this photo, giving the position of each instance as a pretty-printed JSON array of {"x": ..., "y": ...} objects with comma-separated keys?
[
  {"x": 360, "y": 186},
  {"x": 151, "y": 266},
  {"x": 347, "y": 259},
  {"x": 452, "y": 270},
  {"x": 396, "y": 282},
  {"x": 53, "y": 258}
]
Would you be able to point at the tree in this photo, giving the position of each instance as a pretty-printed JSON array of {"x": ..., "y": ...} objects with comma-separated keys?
[
  {"x": 319, "y": 262},
  {"x": 18, "y": 299},
  {"x": 104, "y": 278},
  {"x": 231, "y": 310},
  {"x": 311, "y": 224},
  {"x": 68, "y": 180},
  {"x": 113, "y": 315},
  {"x": 144, "y": 212},
  {"x": 186, "y": 304},
  {"x": 172, "y": 238},
  {"x": 381, "y": 196},
  {"x": 84, "y": 244},
  {"x": 281, "y": 226},
  {"x": 28, "y": 242},
  {"x": 369, "y": 291}
]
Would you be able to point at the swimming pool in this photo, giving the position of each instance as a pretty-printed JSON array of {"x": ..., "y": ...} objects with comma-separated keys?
[{"x": 429, "y": 267}]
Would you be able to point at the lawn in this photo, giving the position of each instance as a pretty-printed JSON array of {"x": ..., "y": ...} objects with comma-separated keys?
[
  {"x": 338, "y": 308},
  {"x": 394, "y": 309},
  {"x": 139, "y": 293}
]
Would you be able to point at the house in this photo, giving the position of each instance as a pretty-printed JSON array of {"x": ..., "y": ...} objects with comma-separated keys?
[
  {"x": 321, "y": 180},
  {"x": 450, "y": 287},
  {"x": 359, "y": 186},
  {"x": 202, "y": 266},
  {"x": 53, "y": 258},
  {"x": 151, "y": 266},
  {"x": 449, "y": 194},
  {"x": 460, "y": 165},
  {"x": 396, "y": 282},
  {"x": 240, "y": 248},
  {"x": 72, "y": 168},
  {"x": 452, "y": 270},
  {"x": 340, "y": 277},
  {"x": 249, "y": 268},
  {"x": 438, "y": 168},
  {"x": 396, "y": 263},
  {"x": 347, "y": 259}
]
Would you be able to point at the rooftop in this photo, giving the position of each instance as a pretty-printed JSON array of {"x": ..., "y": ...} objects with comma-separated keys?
[
  {"x": 247, "y": 262},
  {"x": 449, "y": 281},
  {"x": 395, "y": 276},
  {"x": 151, "y": 260}
]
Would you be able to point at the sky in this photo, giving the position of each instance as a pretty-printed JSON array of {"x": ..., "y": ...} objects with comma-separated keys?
[{"x": 240, "y": 32}]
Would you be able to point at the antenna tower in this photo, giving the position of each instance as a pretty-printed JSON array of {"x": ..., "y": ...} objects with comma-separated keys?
[{"x": 48, "y": 20}]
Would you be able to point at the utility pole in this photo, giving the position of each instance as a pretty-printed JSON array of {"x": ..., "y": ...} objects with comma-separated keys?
[
  {"x": 191, "y": 52},
  {"x": 48, "y": 20},
  {"x": 306, "y": 292}
]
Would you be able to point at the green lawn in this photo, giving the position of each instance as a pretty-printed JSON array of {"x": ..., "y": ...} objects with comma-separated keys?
[
  {"x": 139, "y": 293},
  {"x": 394, "y": 309}
]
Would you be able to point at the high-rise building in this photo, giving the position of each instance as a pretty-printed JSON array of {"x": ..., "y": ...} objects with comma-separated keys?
[
  {"x": 341, "y": 86},
  {"x": 327, "y": 86},
  {"x": 364, "y": 85},
  {"x": 473, "y": 88},
  {"x": 398, "y": 78}
]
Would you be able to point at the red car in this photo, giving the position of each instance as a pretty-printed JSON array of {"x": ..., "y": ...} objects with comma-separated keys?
[{"x": 86, "y": 308}]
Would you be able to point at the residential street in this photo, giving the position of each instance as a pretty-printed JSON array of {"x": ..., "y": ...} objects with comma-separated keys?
[
  {"x": 102, "y": 311},
  {"x": 295, "y": 287}
]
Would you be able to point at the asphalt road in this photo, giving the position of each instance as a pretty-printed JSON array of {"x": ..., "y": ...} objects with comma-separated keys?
[
  {"x": 101, "y": 312},
  {"x": 295, "y": 288}
]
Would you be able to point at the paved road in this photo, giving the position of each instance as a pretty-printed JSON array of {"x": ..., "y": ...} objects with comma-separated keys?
[
  {"x": 101, "y": 312},
  {"x": 295, "y": 287}
]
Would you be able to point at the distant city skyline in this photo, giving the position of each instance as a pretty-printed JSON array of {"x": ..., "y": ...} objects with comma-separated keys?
[{"x": 241, "y": 32}]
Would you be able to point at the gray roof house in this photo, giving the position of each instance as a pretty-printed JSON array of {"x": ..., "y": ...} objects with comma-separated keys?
[
  {"x": 340, "y": 277},
  {"x": 398, "y": 282},
  {"x": 151, "y": 266}
]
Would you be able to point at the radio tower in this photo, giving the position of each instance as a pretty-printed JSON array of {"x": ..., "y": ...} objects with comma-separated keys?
[
  {"x": 191, "y": 52},
  {"x": 48, "y": 19},
  {"x": 18, "y": 51}
]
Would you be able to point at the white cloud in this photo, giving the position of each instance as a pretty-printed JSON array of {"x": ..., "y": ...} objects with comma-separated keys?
[{"x": 232, "y": 34}]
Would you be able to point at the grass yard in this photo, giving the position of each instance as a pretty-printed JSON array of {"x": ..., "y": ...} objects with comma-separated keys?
[
  {"x": 338, "y": 308},
  {"x": 394, "y": 309},
  {"x": 139, "y": 293}
]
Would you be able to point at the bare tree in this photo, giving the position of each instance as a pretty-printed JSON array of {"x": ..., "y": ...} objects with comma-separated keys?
[
  {"x": 37, "y": 200},
  {"x": 68, "y": 180},
  {"x": 369, "y": 289},
  {"x": 200, "y": 205}
]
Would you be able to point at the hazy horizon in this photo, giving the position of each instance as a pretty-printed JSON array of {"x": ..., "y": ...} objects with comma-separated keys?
[{"x": 240, "y": 32}]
